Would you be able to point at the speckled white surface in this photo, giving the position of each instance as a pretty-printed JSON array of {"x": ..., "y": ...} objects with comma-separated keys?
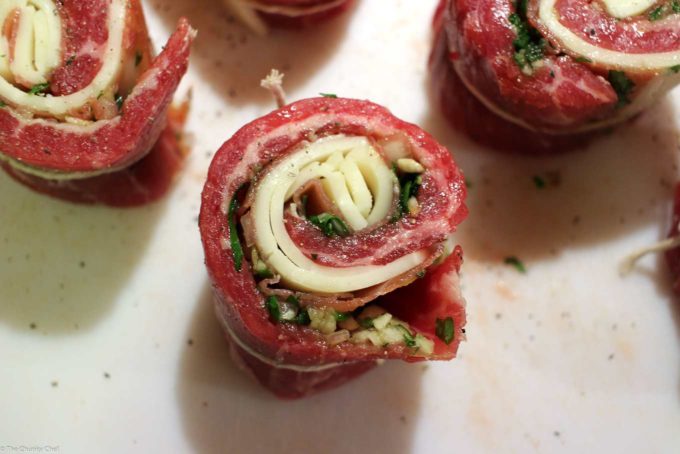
[{"x": 108, "y": 343}]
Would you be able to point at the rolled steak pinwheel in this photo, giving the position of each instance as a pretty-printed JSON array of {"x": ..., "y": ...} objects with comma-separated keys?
[
  {"x": 327, "y": 232},
  {"x": 285, "y": 13},
  {"x": 83, "y": 101},
  {"x": 545, "y": 74}
]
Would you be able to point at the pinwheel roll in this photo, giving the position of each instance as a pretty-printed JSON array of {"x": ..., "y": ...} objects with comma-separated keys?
[
  {"x": 554, "y": 68},
  {"x": 83, "y": 101},
  {"x": 285, "y": 13},
  {"x": 327, "y": 233}
]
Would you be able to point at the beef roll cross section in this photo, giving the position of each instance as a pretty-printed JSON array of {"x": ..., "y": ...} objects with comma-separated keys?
[{"x": 327, "y": 232}]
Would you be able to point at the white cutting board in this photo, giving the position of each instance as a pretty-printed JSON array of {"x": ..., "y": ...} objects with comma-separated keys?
[{"x": 108, "y": 343}]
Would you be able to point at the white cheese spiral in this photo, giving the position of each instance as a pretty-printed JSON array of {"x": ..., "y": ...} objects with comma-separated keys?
[
  {"x": 658, "y": 61},
  {"x": 30, "y": 58},
  {"x": 627, "y": 8},
  {"x": 358, "y": 181}
]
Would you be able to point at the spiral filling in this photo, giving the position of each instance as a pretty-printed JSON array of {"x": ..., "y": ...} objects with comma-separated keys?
[
  {"x": 30, "y": 43},
  {"x": 362, "y": 188},
  {"x": 32, "y": 47},
  {"x": 551, "y": 15}
]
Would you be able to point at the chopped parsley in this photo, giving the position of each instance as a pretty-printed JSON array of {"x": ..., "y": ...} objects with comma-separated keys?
[
  {"x": 529, "y": 43},
  {"x": 622, "y": 85},
  {"x": 516, "y": 263},
  {"x": 2, "y": 104},
  {"x": 582, "y": 59},
  {"x": 662, "y": 11},
  {"x": 366, "y": 322},
  {"x": 70, "y": 60},
  {"x": 39, "y": 89},
  {"x": 341, "y": 316},
  {"x": 409, "y": 184},
  {"x": 329, "y": 95},
  {"x": 675, "y": 69},
  {"x": 272, "y": 305},
  {"x": 420, "y": 274},
  {"x": 444, "y": 329},
  {"x": 330, "y": 225},
  {"x": 292, "y": 299},
  {"x": 539, "y": 182},
  {"x": 656, "y": 13},
  {"x": 138, "y": 58},
  {"x": 302, "y": 318},
  {"x": 409, "y": 340},
  {"x": 236, "y": 250},
  {"x": 288, "y": 311}
]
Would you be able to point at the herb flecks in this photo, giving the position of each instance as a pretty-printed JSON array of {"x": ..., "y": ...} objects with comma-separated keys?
[
  {"x": 409, "y": 184},
  {"x": 529, "y": 44},
  {"x": 236, "y": 249},
  {"x": 662, "y": 11},
  {"x": 39, "y": 89},
  {"x": 656, "y": 13},
  {"x": 302, "y": 317},
  {"x": 516, "y": 263},
  {"x": 539, "y": 182},
  {"x": 288, "y": 311},
  {"x": 444, "y": 329},
  {"x": 674, "y": 69},
  {"x": 330, "y": 225},
  {"x": 342, "y": 316},
  {"x": 366, "y": 322},
  {"x": 272, "y": 306},
  {"x": 409, "y": 339},
  {"x": 329, "y": 95},
  {"x": 622, "y": 85}
]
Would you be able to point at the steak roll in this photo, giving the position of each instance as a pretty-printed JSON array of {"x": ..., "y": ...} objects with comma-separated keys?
[
  {"x": 83, "y": 101},
  {"x": 546, "y": 74},
  {"x": 327, "y": 226}
]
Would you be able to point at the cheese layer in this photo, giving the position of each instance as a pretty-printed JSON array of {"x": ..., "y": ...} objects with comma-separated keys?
[{"x": 359, "y": 182}]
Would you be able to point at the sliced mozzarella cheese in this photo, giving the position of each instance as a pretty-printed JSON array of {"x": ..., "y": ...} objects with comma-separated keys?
[
  {"x": 37, "y": 51},
  {"x": 627, "y": 8},
  {"x": 329, "y": 159}
]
